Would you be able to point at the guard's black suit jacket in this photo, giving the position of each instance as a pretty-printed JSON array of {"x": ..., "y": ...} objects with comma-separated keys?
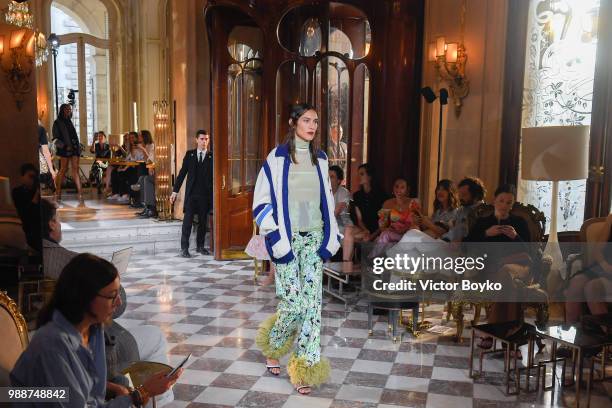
[{"x": 189, "y": 170}]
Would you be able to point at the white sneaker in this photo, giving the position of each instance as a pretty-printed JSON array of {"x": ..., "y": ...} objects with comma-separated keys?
[{"x": 124, "y": 199}]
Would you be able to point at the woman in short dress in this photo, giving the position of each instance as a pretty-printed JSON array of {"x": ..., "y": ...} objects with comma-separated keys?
[{"x": 68, "y": 149}]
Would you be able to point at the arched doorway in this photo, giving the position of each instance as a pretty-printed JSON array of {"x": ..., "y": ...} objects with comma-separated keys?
[{"x": 84, "y": 74}]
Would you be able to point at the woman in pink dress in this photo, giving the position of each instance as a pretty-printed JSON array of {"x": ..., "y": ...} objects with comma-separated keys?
[{"x": 395, "y": 218}]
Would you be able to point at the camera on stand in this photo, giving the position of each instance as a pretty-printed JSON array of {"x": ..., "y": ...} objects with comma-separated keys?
[{"x": 72, "y": 96}]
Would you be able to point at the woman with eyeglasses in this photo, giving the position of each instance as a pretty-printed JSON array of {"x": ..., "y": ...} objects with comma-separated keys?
[{"x": 68, "y": 349}]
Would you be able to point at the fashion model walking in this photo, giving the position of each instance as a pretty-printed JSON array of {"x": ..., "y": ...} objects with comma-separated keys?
[{"x": 294, "y": 208}]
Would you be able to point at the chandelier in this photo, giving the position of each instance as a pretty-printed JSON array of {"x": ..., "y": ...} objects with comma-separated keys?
[{"x": 18, "y": 14}]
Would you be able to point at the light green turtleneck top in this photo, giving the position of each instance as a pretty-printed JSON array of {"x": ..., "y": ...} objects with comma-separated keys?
[{"x": 304, "y": 193}]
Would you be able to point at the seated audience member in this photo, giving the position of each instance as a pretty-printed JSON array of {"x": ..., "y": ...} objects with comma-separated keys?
[
  {"x": 55, "y": 256},
  {"x": 146, "y": 182},
  {"x": 128, "y": 175},
  {"x": 367, "y": 201},
  {"x": 144, "y": 342},
  {"x": 594, "y": 282},
  {"x": 445, "y": 210},
  {"x": 471, "y": 192},
  {"x": 101, "y": 150},
  {"x": 396, "y": 214},
  {"x": 68, "y": 349},
  {"x": 146, "y": 145},
  {"x": 514, "y": 263},
  {"x": 26, "y": 197},
  {"x": 342, "y": 199},
  {"x": 112, "y": 177},
  {"x": 99, "y": 147}
]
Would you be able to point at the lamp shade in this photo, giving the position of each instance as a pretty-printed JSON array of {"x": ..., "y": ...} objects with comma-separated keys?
[
  {"x": 17, "y": 38},
  {"x": 440, "y": 46},
  {"x": 555, "y": 153}
]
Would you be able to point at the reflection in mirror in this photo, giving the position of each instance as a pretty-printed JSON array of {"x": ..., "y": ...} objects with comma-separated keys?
[
  {"x": 310, "y": 40},
  {"x": 303, "y": 29},
  {"x": 244, "y": 125},
  {"x": 245, "y": 42},
  {"x": 299, "y": 29},
  {"x": 360, "y": 120},
  {"x": 332, "y": 83},
  {"x": 339, "y": 42},
  {"x": 291, "y": 88},
  {"x": 349, "y": 31}
]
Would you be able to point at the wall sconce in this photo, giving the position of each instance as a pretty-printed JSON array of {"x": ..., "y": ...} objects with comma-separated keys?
[
  {"x": 17, "y": 63},
  {"x": 449, "y": 61}
]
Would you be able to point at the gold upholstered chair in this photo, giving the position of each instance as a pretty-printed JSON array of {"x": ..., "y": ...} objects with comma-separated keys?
[{"x": 14, "y": 339}]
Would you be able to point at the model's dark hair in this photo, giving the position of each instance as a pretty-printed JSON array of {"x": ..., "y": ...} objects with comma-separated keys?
[
  {"x": 63, "y": 106},
  {"x": 48, "y": 209},
  {"x": 26, "y": 167},
  {"x": 506, "y": 188},
  {"x": 100, "y": 132},
  {"x": 475, "y": 186},
  {"x": 146, "y": 137},
  {"x": 201, "y": 132},
  {"x": 78, "y": 285},
  {"x": 338, "y": 170},
  {"x": 297, "y": 111},
  {"x": 453, "y": 197}
]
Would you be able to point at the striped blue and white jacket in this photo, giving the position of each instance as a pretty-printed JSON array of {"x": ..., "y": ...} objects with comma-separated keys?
[{"x": 271, "y": 211}]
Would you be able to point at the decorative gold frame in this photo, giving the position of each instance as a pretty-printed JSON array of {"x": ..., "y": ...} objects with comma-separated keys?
[{"x": 11, "y": 307}]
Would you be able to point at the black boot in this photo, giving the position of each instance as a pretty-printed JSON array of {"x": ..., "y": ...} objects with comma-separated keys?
[
  {"x": 203, "y": 251},
  {"x": 141, "y": 213}
]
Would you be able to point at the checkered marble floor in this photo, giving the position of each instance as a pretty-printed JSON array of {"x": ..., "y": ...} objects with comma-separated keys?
[{"x": 212, "y": 309}]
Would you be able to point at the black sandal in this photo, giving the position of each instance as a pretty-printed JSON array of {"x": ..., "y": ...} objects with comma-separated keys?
[{"x": 272, "y": 367}]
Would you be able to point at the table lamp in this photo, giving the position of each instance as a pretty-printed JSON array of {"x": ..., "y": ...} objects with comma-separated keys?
[{"x": 555, "y": 153}]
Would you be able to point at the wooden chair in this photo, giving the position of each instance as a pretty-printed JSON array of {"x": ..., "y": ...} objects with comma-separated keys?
[
  {"x": 539, "y": 271},
  {"x": 14, "y": 339}
]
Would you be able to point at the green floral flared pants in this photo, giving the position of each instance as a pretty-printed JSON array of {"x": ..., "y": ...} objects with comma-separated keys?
[{"x": 298, "y": 287}]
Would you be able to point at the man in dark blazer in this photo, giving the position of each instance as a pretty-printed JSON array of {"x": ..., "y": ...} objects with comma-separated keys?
[{"x": 198, "y": 164}]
